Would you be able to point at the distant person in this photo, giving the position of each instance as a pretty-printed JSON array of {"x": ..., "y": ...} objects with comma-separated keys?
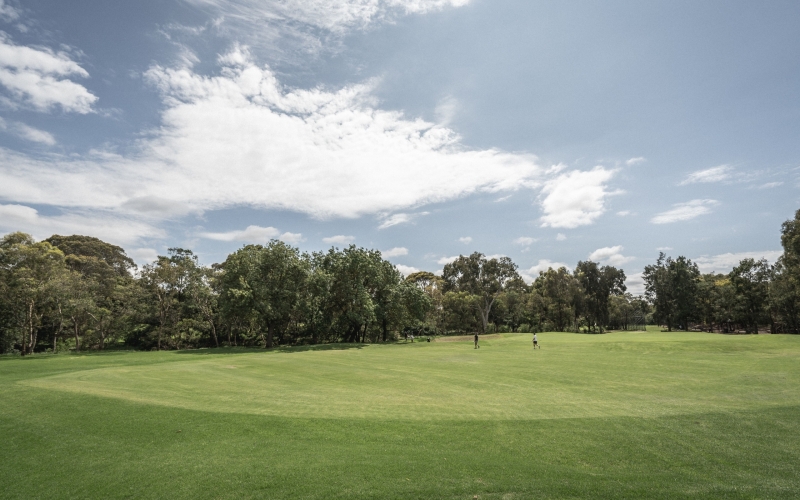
[
  {"x": 412, "y": 337},
  {"x": 476, "y": 342},
  {"x": 536, "y": 342}
]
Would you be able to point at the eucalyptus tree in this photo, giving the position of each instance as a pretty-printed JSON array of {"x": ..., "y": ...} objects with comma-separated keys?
[
  {"x": 672, "y": 286},
  {"x": 557, "y": 298},
  {"x": 484, "y": 279},
  {"x": 599, "y": 283},
  {"x": 750, "y": 280},
  {"x": 29, "y": 272},
  {"x": 263, "y": 285}
]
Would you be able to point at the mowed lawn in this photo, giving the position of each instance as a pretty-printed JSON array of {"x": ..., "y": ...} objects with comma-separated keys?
[{"x": 621, "y": 415}]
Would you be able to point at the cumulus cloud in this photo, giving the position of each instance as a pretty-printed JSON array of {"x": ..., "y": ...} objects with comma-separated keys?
[
  {"x": 406, "y": 270},
  {"x": 530, "y": 274},
  {"x": 634, "y": 283},
  {"x": 724, "y": 263},
  {"x": 714, "y": 174},
  {"x": 610, "y": 256},
  {"x": 684, "y": 211},
  {"x": 465, "y": 240},
  {"x": 395, "y": 252},
  {"x": 254, "y": 234},
  {"x": 27, "y": 132},
  {"x": 339, "y": 239},
  {"x": 107, "y": 226},
  {"x": 446, "y": 260},
  {"x": 241, "y": 138},
  {"x": 39, "y": 78},
  {"x": 575, "y": 198}
]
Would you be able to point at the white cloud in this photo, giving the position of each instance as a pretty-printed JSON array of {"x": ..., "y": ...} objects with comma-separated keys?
[
  {"x": 27, "y": 132},
  {"x": 7, "y": 12},
  {"x": 339, "y": 239},
  {"x": 106, "y": 226},
  {"x": 406, "y": 270},
  {"x": 525, "y": 241},
  {"x": 446, "y": 110},
  {"x": 575, "y": 198},
  {"x": 395, "y": 252},
  {"x": 770, "y": 185},
  {"x": 624, "y": 213},
  {"x": 663, "y": 249},
  {"x": 685, "y": 211},
  {"x": 38, "y": 77},
  {"x": 241, "y": 138},
  {"x": 610, "y": 256},
  {"x": 446, "y": 260},
  {"x": 530, "y": 274},
  {"x": 724, "y": 263},
  {"x": 561, "y": 237},
  {"x": 503, "y": 198},
  {"x": 635, "y": 161},
  {"x": 714, "y": 174},
  {"x": 401, "y": 218},
  {"x": 634, "y": 283},
  {"x": 254, "y": 234},
  {"x": 465, "y": 240},
  {"x": 143, "y": 255},
  {"x": 307, "y": 26},
  {"x": 291, "y": 238}
]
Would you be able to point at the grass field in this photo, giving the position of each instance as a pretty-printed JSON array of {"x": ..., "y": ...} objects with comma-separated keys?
[{"x": 621, "y": 415}]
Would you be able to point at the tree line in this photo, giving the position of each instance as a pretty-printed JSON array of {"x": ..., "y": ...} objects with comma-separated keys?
[{"x": 79, "y": 292}]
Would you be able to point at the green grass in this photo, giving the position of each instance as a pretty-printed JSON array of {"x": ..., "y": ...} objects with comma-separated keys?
[{"x": 622, "y": 415}]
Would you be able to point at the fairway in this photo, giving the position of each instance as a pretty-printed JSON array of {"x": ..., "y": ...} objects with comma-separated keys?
[{"x": 661, "y": 415}]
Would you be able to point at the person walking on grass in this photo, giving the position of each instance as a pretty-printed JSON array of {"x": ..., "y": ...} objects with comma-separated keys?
[
  {"x": 476, "y": 342},
  {"x": 536, "y": 342}
]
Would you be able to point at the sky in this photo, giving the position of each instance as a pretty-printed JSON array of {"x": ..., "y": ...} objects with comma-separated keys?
[{"x": 546, "y": 131}]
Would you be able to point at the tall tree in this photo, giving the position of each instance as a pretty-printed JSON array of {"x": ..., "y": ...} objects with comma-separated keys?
[
  {"x": 483, "y": 278},
  {"x": 750, "y": 280},
  {"x": 599, "y": 283}
]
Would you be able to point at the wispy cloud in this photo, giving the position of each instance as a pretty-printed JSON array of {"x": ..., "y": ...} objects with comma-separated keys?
[
  {"x": 111, "y": 227},
  {"x": 575, "y": 198},
  {"x": 401, "y": 218},
  {"x": 685, "y": 211},
  {"x": 714, "y": 174},
  {"x": 27, "y": 132},
  {"x": 525, "y": 241},
  {"x": 561, "y": 237},
  {"x": 770, "y": 185},
  {"x": 465, "y": 240},
  {"x": 339, "y": 239},
  {"x": 635, "y": 161}
]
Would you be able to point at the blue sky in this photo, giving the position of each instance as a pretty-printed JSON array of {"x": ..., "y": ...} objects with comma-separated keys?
[{"x": 550, "y": 132}]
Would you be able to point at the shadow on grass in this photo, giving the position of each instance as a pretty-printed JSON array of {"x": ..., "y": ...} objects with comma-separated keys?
[{"x": 279, "y": 349}]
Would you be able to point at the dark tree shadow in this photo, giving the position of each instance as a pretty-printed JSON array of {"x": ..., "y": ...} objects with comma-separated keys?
[{"x": 279, "y": 349}]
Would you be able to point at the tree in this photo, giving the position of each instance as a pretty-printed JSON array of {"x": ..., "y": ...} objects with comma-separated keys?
[
  {"x": 29, "y": 272},
  {"x": 483, "y": 278},
  {"x": 599, "y": 283},
  {"x": 557, "y": 298},
  {"x": 671, "y": 286},
  {"x": 750, "y": 280}
]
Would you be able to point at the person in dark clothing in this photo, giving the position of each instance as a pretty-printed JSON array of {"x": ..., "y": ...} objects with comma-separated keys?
[{"x": 476, "y": 342}]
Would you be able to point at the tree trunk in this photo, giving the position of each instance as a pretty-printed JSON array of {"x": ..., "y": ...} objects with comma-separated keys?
[
  {"x": 214, "y": 333},
  {"x": 77, "y": 336},
  {"x": 384, "y": 329},
  {"x": 270, "y": 332}
]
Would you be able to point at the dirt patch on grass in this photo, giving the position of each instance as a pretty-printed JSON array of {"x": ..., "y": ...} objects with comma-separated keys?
[{"x": 467, "y": 338}]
